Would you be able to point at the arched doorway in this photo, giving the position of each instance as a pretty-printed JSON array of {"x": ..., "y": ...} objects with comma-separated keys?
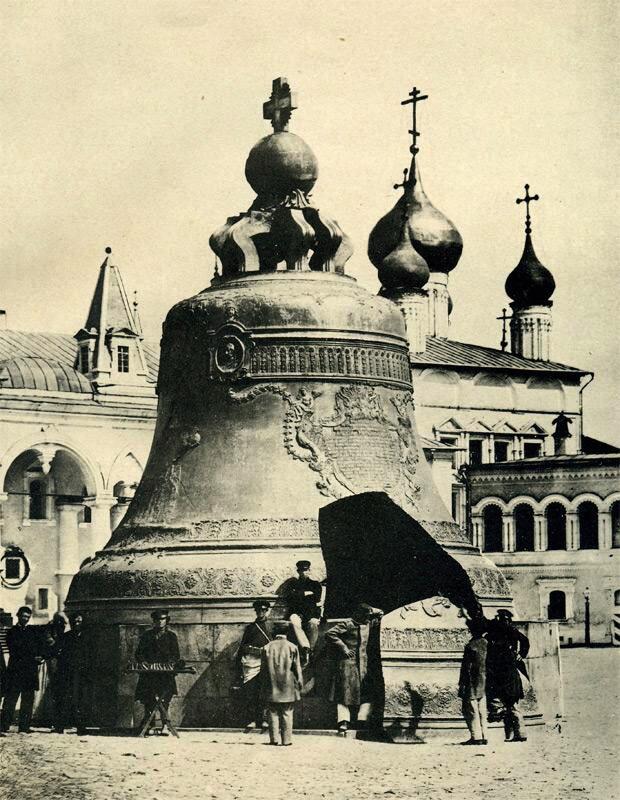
[
  {"x": 587, "y": 513},
  {"x": 555, "y": 514},
  {"x": 492, "y": 533},
  {"x": 523, "y": 516},
  {"x": 45, "y": 486},
  {"x": 557, "y": 605}
]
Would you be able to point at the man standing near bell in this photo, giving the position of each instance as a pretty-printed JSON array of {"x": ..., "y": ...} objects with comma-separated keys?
[
  {"x": 256, "y": 635},
  {"x": 302, "y": 597},
  {"x": 157, "y": 645},
  {"x": 357, "y": 679}
]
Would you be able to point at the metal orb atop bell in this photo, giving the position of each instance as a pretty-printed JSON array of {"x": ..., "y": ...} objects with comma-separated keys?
[{"x": 282, "y": 387}]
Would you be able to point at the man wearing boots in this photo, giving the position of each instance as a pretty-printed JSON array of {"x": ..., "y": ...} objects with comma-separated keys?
[
  {"x": 356, "y": 680},
  {"x": 302, "y": 597},
  {"x": 507, "y": 649},
  {"x": 157, "y": 645},
  {"x": 22, "y": 673},
  {"x": 256, "y": 635}
]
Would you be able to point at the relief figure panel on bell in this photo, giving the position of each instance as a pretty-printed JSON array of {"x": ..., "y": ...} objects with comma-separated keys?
[{"x": 355, "y": 438}]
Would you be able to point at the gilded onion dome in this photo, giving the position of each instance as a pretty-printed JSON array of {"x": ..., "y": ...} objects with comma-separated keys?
[{"x": 414, "y": 238}]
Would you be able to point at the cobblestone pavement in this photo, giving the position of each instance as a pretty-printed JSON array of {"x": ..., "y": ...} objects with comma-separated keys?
[{"x": 578, "y": 762}]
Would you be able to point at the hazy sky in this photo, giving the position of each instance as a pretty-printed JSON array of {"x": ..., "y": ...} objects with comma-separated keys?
[{"x": 128, "y": 124}]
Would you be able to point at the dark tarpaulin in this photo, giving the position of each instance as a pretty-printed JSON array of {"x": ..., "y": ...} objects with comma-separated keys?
[{"x": 376, "y": 553}]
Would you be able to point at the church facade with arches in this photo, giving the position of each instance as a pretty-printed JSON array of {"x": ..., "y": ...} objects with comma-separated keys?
[{"x": 76, "y": 423}]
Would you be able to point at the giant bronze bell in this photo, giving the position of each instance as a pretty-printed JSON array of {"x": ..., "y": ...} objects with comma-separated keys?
[{"x": 282, "y": 386}]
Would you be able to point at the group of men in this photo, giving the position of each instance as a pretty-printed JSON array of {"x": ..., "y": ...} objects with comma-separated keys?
[
  {"x": 269, "y": 667},
  {"x": 68, "y": 657}
]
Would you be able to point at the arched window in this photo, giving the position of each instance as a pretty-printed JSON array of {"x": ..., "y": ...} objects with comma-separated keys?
[
  {"x": 556, "y": 526},
  {"x": 617, "y": 597},
  {"x": 524, "y": 527},
  {"x": 492, "y": 521},
  {"x": 37, "y": 500},
  {"x": 615, "y": 524},
  {"x": 588, "y": 525},
  {"x": 557, "y": 605}
]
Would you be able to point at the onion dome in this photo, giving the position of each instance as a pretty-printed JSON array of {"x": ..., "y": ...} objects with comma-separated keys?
[
  {"x": 392, "y": 250},
  {"x": 282, "y": 225},
  {"x": 530, "y": 283},
  {"x": 414, "y": 238}
]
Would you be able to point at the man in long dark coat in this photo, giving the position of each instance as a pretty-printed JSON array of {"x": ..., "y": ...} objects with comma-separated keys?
[
  {"x": 158, "y": 645},
  {"x": 506, "y": 651},
  {"x": 22, "y": 673},
  {"x": 256, "y": 635},
  {"x": 75, "y": 675},
  {"x": 356, "y": 683}
]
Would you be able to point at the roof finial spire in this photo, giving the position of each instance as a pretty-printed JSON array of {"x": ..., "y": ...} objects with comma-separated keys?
[
  {"x": 527, "y": 200},
  {"x": 280, "y": 105},
  {"x": 504, "y": 319},
  {"x": 415, "y": 97},
  {"x": 136, "y": 315}
]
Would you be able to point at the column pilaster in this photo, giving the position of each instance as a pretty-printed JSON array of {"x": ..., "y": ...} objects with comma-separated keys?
[
  {"x": 68, "y": 546},
  {"x": 604, "y": 530},
  {"x": 118, "y": 511},
  {"x": 3, "y": 498},
  {"x": 477, "y": 527},
  {"x": 540, "y": 532},
  {"x": 508, "y": 544},
  {"x": 572, "y": 530},
  {"x": 100, "y": 524}
]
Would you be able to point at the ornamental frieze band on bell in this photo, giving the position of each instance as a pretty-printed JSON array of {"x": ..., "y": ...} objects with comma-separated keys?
[{"x": 283, "y": 386}]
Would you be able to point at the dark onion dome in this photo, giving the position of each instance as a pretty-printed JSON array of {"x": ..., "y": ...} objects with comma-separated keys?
[
  {"x": 280, "y": 164},
  {"x": 530, "y": 283},
  {"x": 413, "y": 239}
]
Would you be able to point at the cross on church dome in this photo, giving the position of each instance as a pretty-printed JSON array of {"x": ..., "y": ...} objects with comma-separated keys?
[
  {"x": 415, "y": 97},
  {"x": 280, "y": 105},
  {"x": 527, "y": 200}
]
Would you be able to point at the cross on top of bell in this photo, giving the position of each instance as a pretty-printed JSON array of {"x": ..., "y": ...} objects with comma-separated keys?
[{"x": 280, "y": 105}]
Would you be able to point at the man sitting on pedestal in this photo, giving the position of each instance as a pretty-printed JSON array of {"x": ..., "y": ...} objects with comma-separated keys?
[
  {"x": 158, "y": 645},
  {"x": 302, "y": 596}
]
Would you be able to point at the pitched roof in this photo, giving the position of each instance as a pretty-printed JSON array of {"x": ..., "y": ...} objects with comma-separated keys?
[
  {"x": 446, "y": 352},
  {"x": 109, "y": 308},
  {"x": 59, "y": 348}
]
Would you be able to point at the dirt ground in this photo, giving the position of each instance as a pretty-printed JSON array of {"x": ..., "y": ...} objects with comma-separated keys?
[{"x": 577, "y": 762}]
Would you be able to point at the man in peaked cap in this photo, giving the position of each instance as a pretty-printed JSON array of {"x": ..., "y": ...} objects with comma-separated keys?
[
  {"x": 157, "y": 645},
  {"x": 507, "y": 649},
  {"x": 256, "y": 635},
  {"x": 302, "y": 597}
]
